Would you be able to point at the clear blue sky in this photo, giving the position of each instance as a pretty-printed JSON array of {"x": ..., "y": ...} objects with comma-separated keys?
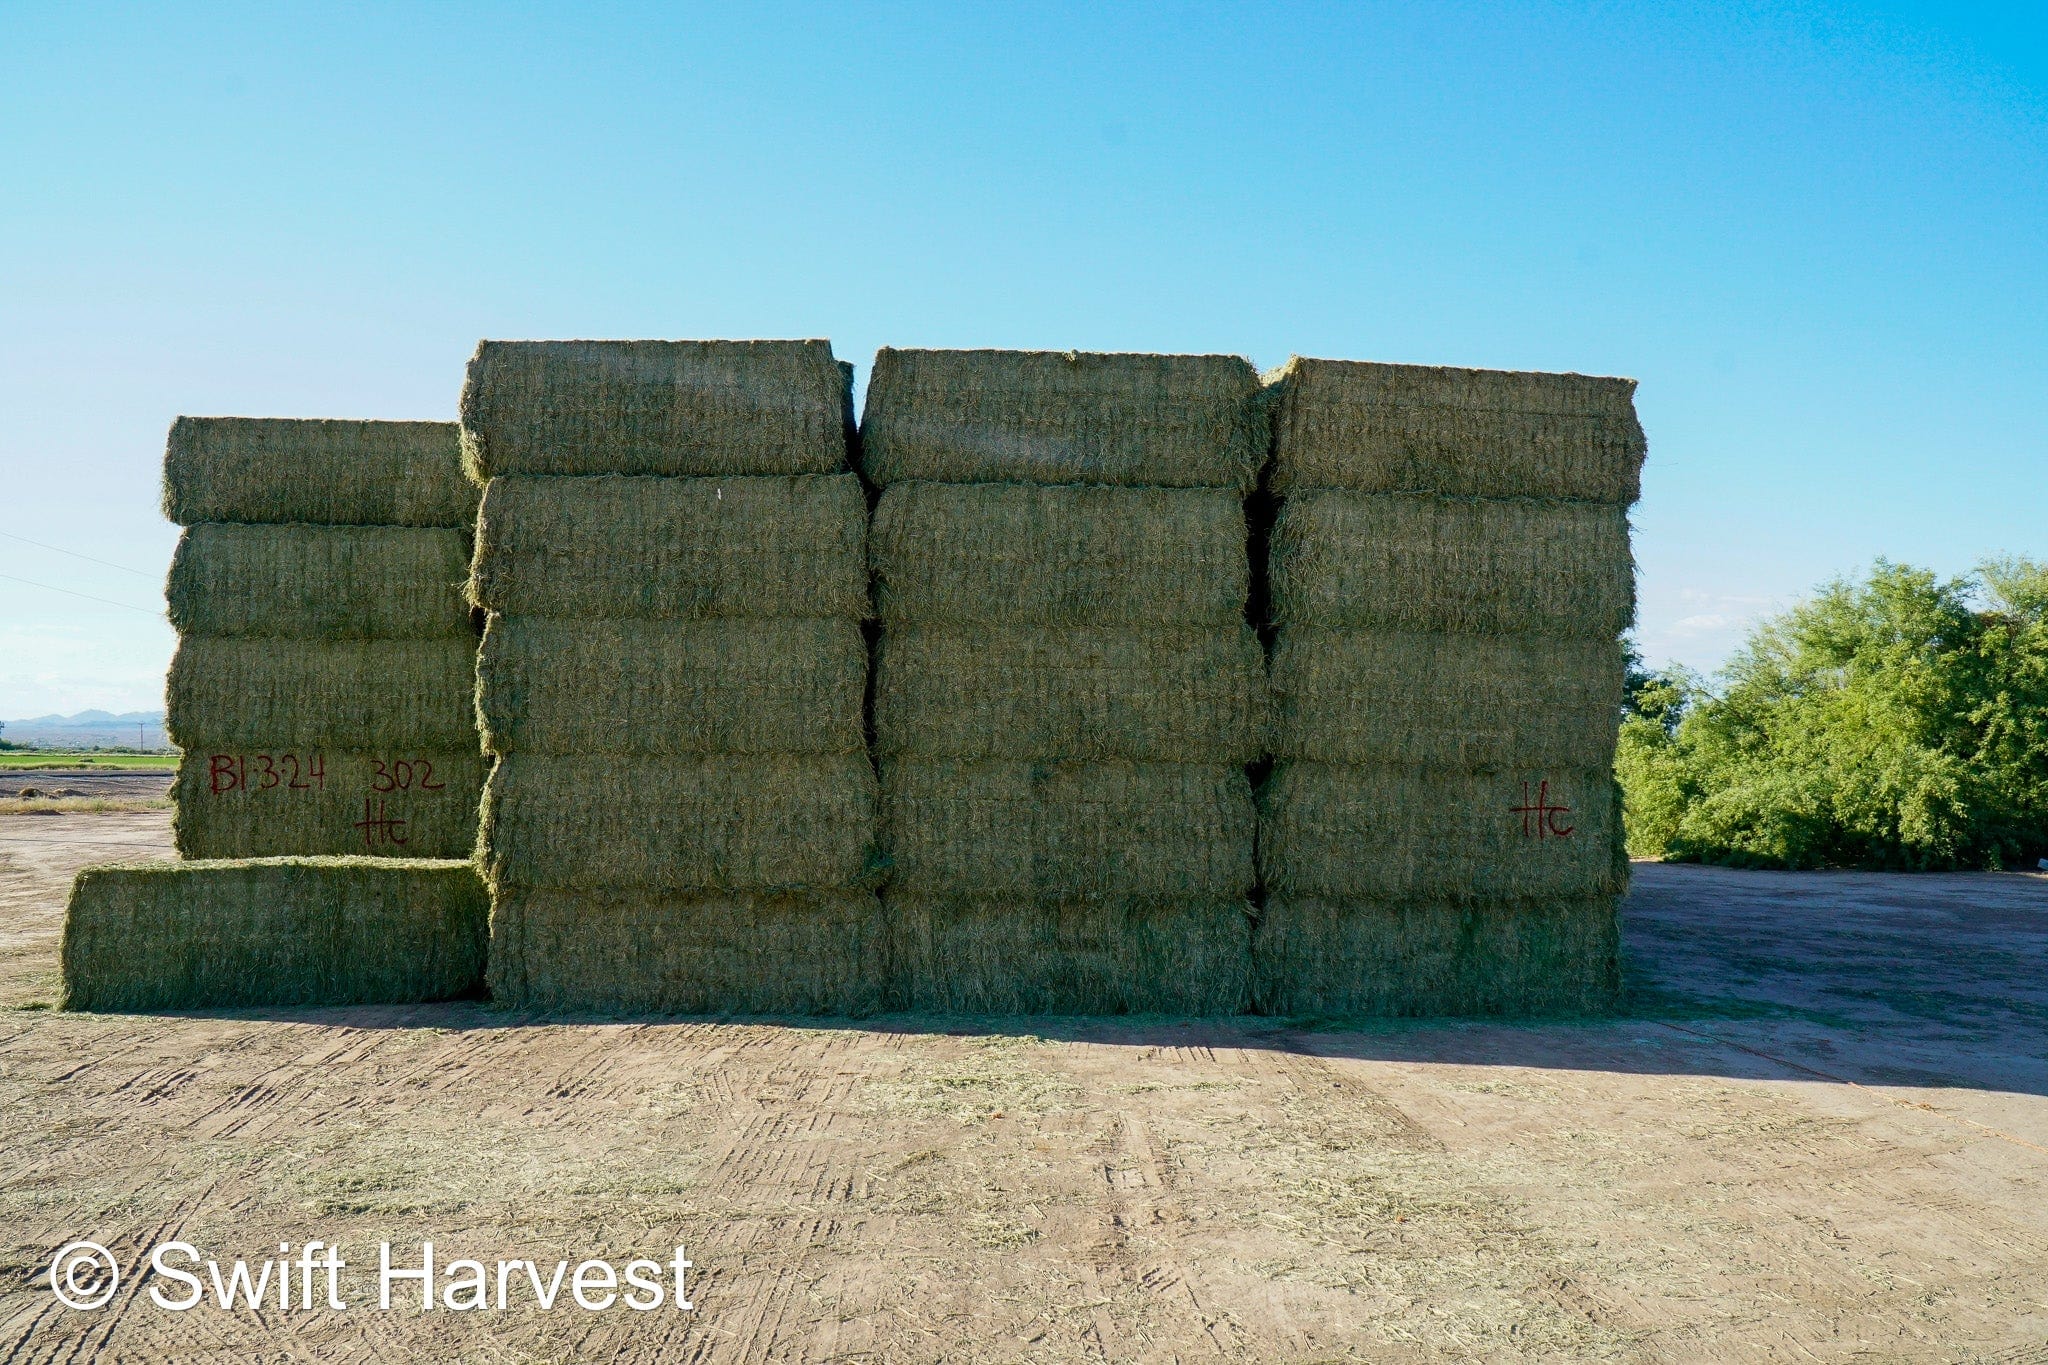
[{"x": 1818, "y": 236}]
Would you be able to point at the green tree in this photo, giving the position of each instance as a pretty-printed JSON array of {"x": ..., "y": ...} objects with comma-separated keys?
[{"x": 1900, "y": 721}]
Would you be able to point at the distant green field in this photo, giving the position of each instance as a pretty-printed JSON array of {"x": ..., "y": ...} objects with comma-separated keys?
[{"x": 16, "y": 759}]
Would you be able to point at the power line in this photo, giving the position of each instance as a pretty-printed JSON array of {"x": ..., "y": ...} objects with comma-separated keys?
[
  {"x": 76, "y": 555},
  {"x": 47, "y": 587}
]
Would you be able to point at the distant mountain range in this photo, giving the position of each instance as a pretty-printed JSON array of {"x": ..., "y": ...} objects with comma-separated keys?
[{"x": 89, "y": 729}]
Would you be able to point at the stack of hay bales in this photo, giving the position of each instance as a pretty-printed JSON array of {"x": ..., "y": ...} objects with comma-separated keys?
[
  {"x": 672, "y": 553},
  {"x": 1449, "y": 572},
  {"x": 1067, "y": 693},
  {"x": 321, "y": 687}
]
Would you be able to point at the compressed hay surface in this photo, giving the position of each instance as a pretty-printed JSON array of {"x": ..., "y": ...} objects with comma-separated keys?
[
  {"x": 1357, "y": 696},
  {"x": 1331, "y": 829},
  {"x": 320, "y": 582},
  {"x": 653, "y": 407},
  {"x": 1175, "y": 421},
  {"x": 1433, "y": 429},
  {"x": 1072, "y": 555},
  {"x": 1058, "y": 830},
  {"x": 397, "y": 804},
  {"x": 272, "y": 932},
  {"x": 1425, "y": 957},
  {"x": 672, "y": 687},
  {"x": 678, "y": 954},
  {"x": 388, "y": 695},
  {"x": 1074, "y": 693},
  {"x": 725, "y": 823},
  {"x": 1098, "y": 955},
  {"x": 332, "y": 473},
  {"x": 673, "y": 549},
  {"x": 1483, "y": 565}
]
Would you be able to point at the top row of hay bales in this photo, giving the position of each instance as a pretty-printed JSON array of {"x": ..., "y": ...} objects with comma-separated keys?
[{"x": 320, "y": 690}]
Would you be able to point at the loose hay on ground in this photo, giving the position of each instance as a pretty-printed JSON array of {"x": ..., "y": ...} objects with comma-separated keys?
[
  {"x": 1063, "y": 417},
  {"x": 320, "y": 582},
  {"x": 272, "y": 932},
  {"x": 1072, "y": 693},
  {"x": 673, "y": 549},
  {"x": 392, "y": 696},
  {"x": 334, "y": 473},
  {"x": 400, "y": 804},
  {"x": 672, "y": 687}
]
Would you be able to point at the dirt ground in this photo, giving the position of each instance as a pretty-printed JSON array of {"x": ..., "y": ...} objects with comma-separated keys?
[{"x": 1820, "y": 1132}]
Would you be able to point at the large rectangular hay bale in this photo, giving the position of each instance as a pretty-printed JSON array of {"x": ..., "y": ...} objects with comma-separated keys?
[
  {"x": 1433, "y": 957},
  {"x": 1075, "y": 693},
  {"x": 680, "y": 954},
  {"x": 264, "y": 694},
  {"x": 1435, "y": 429},
  {"x": 272, "y": 932},
  {"x": 673, "y": 549},
  {"x": 270, "y": 803},
  {"x": 1176, "y": 421},
  {"x": 331, "y": 473},
  {"x": 320, "y": 582},
  {"x": 672, "y": 687},
  {"x": 1060, "y": 555},
  {"x": 1460, "y": 701},
  {"x": 724, "y": 822},
  {"x": 1491, "y": 566},
  {"x": 1081, "y": 955},
  {"x": 1057, "y": 830},
  {"x": 1341, "y": 830},
  {"x": 654, "y": 407}
]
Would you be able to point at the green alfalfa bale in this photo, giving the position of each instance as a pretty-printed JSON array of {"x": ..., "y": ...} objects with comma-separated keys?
[
  {"x": 1026, "y": 554},
  {"x": 673, "y": 549},
  {"x": 390, "y": 696},
  {"x": 671, "y": 687},
  {"x": 330, "y": 473},
  {"x": 1389, "y": 831},
  {"x": 1480, "y": 565},
  {"x": 270, "y": 803},
  {"x": 653, "y": 407},
  {"x": 1462, "y": 701},
  {"x": 272, "y": 932},
  {"x": 1055, "y": 830},
  {"x": 320, "y": 582},
  {"x": 1418, "y": 957},
  {"x": 674, "y": 953},
  {"x": 1076, "y": 955},
  {"x": 1177, "y": 421},
  {"x": 778, "y": 822},
  {"x": 1084, "y": 692},
  {"x": 1435, "y": 429}
]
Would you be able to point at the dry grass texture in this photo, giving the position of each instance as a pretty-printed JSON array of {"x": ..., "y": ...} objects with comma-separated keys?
[
  {"x": 271, "y": 695},
  {"x": 271, "y": 803},
  {"x": 320, "y": 582},
  {"x": 330, "y": 473},
  {"x": 273, "y": 932}
]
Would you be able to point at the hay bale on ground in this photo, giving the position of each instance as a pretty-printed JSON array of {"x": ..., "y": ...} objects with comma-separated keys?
[
  {"x": 673, "y": 549},
  {"x": 667, "y": 953},
  {"x": 1086, "y": 955},
  {"x": 395, "y": 696},
  {"x": 1072, "y": 555},
  {"x": 716, "y": 823},
  {"x": 1433, "y": 429},
  {"x": 654, "y": 407},
  {"x": 242, "y": 804},
  {"x": 1464, "y": 701},
  {"x": 320, "y": 582},
  {"x": 1073, "y": 693},
  {"x": 330, "y": 473},
  {"x": 1425, "y": 957},
  {"x": 1177, "y": 421},
  {"x": 1384, "y": 831},
  {"x": 1484, "y": 566},
  {"x": 672, "y": 687},
  {"x": 272, "y": 932},
  {"x": 1058, "y": 830}
]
